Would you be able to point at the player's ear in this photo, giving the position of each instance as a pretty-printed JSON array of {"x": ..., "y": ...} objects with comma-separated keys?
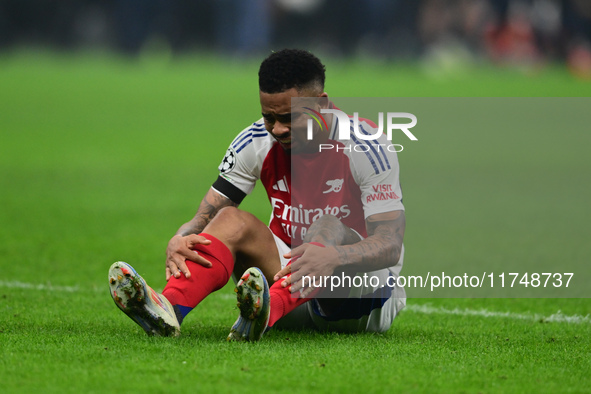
[{"x": 323, "y": 100}]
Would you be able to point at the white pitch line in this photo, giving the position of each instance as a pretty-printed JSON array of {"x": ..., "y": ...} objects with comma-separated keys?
[
  {"x": 557, "y": 317},
  {"x": 14, "y": 284}
]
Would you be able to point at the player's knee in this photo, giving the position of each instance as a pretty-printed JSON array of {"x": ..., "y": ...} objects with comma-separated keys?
[
  {"x": 329, "y": 229},
  {"x": 234, "y": 223},
  {"x": 227, "y": 220},
  {"x": 228, "y": 213},
  {"x": 323, "y": 223},
  {"x": 231, "y": 217},
  {"x": 327, "y": 221}
]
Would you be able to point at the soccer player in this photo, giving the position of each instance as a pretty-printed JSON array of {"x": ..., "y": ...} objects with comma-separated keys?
[{"x": 335, "y": 222}]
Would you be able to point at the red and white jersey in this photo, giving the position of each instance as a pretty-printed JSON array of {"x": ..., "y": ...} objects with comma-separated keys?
[{"x": 353, "y": 182}]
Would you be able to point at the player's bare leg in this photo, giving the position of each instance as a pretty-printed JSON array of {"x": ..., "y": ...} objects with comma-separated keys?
[{"x": 248, "y": 239}]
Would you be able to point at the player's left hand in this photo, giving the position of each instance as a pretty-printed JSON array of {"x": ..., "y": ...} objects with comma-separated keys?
[{"x": 308, "y": 260}]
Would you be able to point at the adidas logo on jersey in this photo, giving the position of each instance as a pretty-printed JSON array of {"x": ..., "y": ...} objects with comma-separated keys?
[{"x": 281, "y": 185}]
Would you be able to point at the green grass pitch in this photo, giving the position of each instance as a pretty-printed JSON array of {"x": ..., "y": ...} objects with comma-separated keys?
[{"x": 101, "y": 159}]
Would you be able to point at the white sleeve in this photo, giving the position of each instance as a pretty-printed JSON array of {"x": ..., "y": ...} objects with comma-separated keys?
[
  {"x": 241, "y": 165},
  {"x": 376, "y": 171}
]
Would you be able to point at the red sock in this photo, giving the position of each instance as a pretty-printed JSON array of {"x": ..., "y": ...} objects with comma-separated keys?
[
  {"x": 188, "y": 292},
  {"x": 282, "y": 301}
]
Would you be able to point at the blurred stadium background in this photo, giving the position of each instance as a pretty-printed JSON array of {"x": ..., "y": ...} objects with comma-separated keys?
[{"x": 528, "y": 33}]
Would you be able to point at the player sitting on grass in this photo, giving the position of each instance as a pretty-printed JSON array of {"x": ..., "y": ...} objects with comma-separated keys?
[{"x": 352, "y": 233}]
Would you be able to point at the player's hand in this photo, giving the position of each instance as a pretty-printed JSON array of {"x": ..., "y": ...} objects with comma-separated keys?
[
  {"x": 311, "y": 261},
  {"x": 180, "y": 249}
]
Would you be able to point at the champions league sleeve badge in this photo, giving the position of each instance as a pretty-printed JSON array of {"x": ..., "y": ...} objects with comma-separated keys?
[{"x": 228, "y": 162}]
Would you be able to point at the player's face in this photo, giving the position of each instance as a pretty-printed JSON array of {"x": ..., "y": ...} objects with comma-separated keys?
[{"x": 276, "y": 110}]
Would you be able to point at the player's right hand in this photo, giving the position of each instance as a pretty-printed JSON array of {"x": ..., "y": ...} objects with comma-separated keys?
[{"x": 180, "y": 248}]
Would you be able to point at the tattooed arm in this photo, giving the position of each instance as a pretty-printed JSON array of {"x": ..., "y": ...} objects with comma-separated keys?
[
  {"x": 180, "y": 247},
  {"x": 345, "y": 251},
  {"x": 382, "y": 247},
  {"x": 209, "y": 207}
]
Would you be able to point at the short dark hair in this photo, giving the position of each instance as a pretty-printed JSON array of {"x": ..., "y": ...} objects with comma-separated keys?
[{"x": 291, "y": 68}]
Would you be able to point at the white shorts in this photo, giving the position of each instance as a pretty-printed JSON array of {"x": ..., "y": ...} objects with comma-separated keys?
[{"x": 367, "y": 309}]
